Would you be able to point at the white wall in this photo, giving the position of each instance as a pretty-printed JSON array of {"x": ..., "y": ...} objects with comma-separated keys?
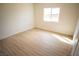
[
  {"x": 15, "y": 18},
  {"x": 67, "y": 20},
  {"x": 75, "y": 48}
]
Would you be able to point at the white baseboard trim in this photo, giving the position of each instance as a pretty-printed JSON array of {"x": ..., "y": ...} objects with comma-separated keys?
[{"x": 4, "y": 37}]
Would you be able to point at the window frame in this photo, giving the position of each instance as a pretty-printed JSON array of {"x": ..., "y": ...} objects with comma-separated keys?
[{"x": 51, "y": 13}]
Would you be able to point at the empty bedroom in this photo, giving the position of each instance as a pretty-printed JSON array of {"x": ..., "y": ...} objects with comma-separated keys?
[{"x": 39, "y": 29}]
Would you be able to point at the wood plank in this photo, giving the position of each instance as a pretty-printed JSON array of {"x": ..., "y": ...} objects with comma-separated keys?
[{"x": 36, "y": 42}]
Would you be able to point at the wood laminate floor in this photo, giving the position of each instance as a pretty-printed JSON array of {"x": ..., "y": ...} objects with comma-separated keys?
[{"x": 37, "y": 42}]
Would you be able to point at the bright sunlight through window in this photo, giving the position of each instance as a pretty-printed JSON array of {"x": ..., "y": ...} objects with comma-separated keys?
[{"x": 51, "y": 14}]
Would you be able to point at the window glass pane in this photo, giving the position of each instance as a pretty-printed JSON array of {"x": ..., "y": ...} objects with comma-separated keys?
[
  {"x": 55, "y": 10},
  {"x": 47, "y": 10},
  {"x": 51, "y": 14},
  {"x": 47, "y": 13}
]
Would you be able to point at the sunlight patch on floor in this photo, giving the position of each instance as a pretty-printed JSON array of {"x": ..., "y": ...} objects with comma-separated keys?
[{"x": 63, "y": 39}]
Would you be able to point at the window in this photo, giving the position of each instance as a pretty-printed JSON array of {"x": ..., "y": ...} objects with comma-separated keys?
[{"x": 51, "y": 14}]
